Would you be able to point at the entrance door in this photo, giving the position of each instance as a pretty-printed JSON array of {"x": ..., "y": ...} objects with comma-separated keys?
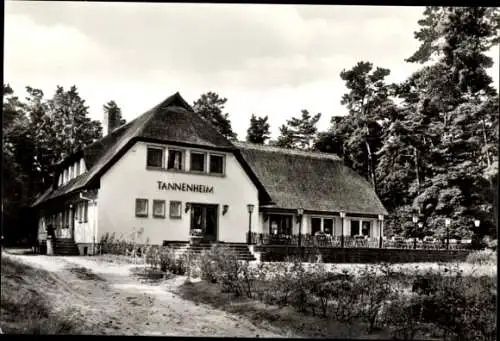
[{"x": 204, "y": 217}]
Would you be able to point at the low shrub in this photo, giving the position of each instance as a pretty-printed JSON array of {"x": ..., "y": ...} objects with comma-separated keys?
[
  {"x": 402, "y": 317},
  {"x": 374, "y": 292},
  {"x": 482, "y": 257}
]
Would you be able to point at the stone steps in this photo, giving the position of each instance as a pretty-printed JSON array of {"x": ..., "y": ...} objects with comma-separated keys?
[
  {"x": 65, "y": 247},
  {"x": 241, "y": 250}
]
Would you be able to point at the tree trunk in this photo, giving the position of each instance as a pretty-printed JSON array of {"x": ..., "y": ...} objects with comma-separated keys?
[
  {"x": 485, "y": 138},
  {"x": 371, "y": 170},
  {"x": 416, "y": 169}
]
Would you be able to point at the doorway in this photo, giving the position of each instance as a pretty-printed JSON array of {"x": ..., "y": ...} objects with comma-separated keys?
[{"x": 205, "y": 218}]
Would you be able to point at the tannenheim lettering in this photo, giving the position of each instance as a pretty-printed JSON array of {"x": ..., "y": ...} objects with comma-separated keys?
[{"x": 172, "y": 186}]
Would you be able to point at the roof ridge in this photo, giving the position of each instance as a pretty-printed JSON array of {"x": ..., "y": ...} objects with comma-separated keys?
[{"x": 298, "y": 152}]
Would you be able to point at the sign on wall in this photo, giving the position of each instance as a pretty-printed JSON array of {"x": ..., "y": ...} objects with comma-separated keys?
[{"x": 184, "y": 187}]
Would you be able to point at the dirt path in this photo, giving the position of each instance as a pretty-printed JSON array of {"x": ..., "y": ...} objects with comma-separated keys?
[{"x": 108, "y": 300}]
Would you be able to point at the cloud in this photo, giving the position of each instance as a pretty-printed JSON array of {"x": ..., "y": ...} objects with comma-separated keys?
[{"x": 266, "y": 59}]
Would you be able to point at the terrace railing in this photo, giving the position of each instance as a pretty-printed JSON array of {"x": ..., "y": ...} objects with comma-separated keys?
[{"x": 324, "y": 240}]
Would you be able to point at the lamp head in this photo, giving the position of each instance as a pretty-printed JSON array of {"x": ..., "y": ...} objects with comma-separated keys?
[{"x": 250, "y": 208}]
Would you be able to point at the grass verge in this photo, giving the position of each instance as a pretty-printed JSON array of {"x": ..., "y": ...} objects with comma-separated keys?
[{"x": 24, "y": 307}]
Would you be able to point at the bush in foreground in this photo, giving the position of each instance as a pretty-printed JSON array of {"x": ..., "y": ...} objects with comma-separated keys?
[{"x": 482, "y": 257}]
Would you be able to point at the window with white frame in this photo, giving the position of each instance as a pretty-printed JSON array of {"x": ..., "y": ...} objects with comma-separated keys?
[
  {"x": 216, "y": 164},
  {"x": 175, "y": 209},
  {"x": 365, "y": 228},
  {"x": 155, "y": 157},
  {"x": 328, "y": 226},
  {"x": 159, "y": 208},
  {"x": 175, "y": 159},
  {"x": 354, "y": 228},
  {"x": 323, "y": 224},
  {"x": 197, "y": 162},
  {"x": 315, "y": 225},
  {"x": 141, "y": 207}
]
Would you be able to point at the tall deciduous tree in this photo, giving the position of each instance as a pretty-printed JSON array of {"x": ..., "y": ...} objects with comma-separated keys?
[
  {"x": 299, "y": 132},
  {"x": 258, "y": 132},
  {"x": 210, "y": 107},
  {"x": 38, "y": 133}
]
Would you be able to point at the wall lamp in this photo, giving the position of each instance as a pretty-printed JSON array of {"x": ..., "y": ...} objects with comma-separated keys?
[
  {"x": 187, "y": 207},
  {"x": 225, "y": 208},
  {"x": 300, "y": 213}
]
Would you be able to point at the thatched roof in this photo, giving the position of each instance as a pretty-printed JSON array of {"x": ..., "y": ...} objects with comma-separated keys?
[
  {"x": 286, "y": 179},
  {"x": 171, "y": 121},
  {"x": 312, "y": 181}
]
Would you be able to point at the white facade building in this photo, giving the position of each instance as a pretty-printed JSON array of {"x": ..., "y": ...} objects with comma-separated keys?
[{"x": 167, "y": 173}]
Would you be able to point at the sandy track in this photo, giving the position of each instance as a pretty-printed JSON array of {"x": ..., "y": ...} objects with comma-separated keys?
[{"x": 108, "y": 300}]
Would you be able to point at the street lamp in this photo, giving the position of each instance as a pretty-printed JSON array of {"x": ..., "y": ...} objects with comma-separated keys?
[
  {"x": 415, "y": 220},
  {"x": 300, "y": 213},
  {"x": 447, "y": 222},
  {"x": 381, "y": 222},
  {"x": 342, "y": 216},
  {"x": 477, "y": 222},
  {"x": 250, "y": 210},
  {"x": 420, "y": 226}
]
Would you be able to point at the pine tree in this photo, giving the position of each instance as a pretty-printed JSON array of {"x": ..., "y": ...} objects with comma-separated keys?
[
  {"x": 210, "y": 107},
  {"x": 258, "y": 132},
  {"x": 450, "y": 114},
  {"x": 299, "y": 132}
]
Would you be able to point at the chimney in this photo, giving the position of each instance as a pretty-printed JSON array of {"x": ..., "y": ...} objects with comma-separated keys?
[{"x": 110, "y": 123}]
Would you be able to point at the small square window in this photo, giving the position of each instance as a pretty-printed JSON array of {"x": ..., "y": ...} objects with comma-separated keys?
[
  {"x": 198, "y": 162},
  {"x": 175, "y": 158},
  {"x": 217, "y": 164},
  {"x": 159, "y": 208},
  {"x": 155, "y": 157},
  {"x": 175, "y": 209},
  {"x": 141, "y": 207}
]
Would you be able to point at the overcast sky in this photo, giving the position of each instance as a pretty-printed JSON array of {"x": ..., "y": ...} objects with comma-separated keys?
[{"x": 266, "y": 59}]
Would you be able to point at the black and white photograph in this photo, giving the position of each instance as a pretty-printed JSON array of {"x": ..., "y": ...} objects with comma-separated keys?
[{"x": 250, "y": 170}]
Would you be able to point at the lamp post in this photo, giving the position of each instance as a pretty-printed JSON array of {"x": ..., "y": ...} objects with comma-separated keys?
[
  {"x": 447, "y": 223},
  {"x": 250, "y": 210},
  {"x": 477, "y": 222},
  {"x": 342, "y": 216},
  {"x": 420, "y": 226},
  {"x": 300, "y": 212},
  {"x": 415, "y": 220},
  {"x": 381, "y": 222}
]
